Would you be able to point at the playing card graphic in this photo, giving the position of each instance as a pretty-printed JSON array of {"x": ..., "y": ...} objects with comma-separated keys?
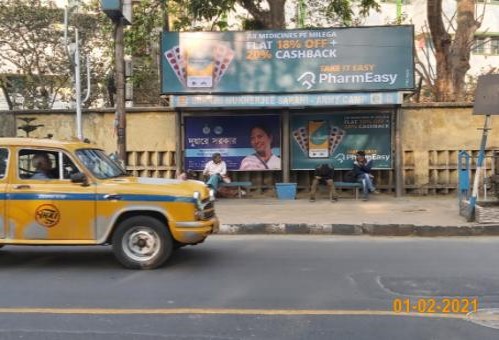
[
  {"x": 223, "y": 58},
  {"x": 177, "y": 63},
  {"x": 319, "y": 139},
  {"x": 336, "y": 135},
  {"x": 300, "y": 135},
  {"x": 200, "y": 66}
]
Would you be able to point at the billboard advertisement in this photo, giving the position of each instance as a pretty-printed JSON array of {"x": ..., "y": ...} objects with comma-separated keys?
[
  {"x": 334, "y": 139},
  {"x": 246, "y": 143},
  {"x": 358, "y": 59}
]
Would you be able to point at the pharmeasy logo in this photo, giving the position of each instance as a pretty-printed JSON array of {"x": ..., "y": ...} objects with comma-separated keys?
[
  {"x": 367, "y": 77},
  {"x": 307, "y": 79},
  {"x": 340, "y": 157}
]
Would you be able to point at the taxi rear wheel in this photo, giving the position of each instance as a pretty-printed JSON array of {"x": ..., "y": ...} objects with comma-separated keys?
[{"x": 142, "y": 242}]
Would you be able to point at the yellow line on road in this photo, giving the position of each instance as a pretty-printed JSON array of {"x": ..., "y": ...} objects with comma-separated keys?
[{"x": 225, "y": 311}]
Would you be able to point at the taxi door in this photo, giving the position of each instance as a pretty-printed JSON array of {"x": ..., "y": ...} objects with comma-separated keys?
[
  {"x": 4, "y": 156},
  {"x": 41, "y": 210}
]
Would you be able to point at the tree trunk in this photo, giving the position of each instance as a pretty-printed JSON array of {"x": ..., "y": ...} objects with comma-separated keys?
[
  {"x": 273, "y": 18},
  {"x": 276, "y": 13},
  {"x": 462, "y": 44},
  {"x": 452, "y": 56}
]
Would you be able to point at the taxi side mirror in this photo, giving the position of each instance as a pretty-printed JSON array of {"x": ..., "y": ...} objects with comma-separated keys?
[{"x": 79, "y": 177}]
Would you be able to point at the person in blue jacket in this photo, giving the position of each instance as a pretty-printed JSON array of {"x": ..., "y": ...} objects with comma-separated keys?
[{"x": 362, "y": 171}]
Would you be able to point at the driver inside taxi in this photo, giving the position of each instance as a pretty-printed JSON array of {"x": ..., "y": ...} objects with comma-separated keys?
[{"x": 41, "y": 163}]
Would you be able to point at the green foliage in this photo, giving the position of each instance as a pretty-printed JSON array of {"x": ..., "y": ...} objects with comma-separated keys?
[
  {"x": 339, "y": 12},
  {"x": 98, "y": 43},
  {"x": 31, "y": 43},
  {"x": 209, "y": 9},
  {"x": 319, "y": 12},
  {"x": 37, "y": 70}
]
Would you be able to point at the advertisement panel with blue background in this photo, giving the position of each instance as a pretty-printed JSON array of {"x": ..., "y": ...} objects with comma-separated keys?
[
  {"x": 249, "y": 143},
  {"x": 355, "y": 59},
  {"x": 334, "y": 139}
]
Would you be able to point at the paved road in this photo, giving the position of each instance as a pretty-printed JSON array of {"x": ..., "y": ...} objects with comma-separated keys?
[{"x": 252, "y": 287}]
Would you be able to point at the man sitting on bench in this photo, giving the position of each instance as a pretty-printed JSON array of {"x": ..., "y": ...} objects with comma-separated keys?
[
  {"x": 362, "y": 171},
  {"x": 323, "y": 174},
  {"x": 215, "y": 171}
]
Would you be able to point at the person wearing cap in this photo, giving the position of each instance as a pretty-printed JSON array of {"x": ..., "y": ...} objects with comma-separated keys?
[
  {"x": 323, "y": 174},
  {"x": 362, "y": 171}
]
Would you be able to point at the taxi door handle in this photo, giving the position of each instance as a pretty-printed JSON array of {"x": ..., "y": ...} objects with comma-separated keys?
[
  {"x": 112, "y": 197},
  {"x": 22, "y": 186}
]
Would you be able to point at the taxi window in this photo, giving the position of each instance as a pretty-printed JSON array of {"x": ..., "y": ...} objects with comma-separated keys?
[
  {"x": 45, "y": 165},
  {"x": 38, "y": 164},
  {"x": 68, "y": 167},
  {"x": 4, "y": 156}
]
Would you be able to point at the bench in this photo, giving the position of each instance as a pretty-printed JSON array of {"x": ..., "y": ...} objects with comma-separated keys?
[
  {"x": 238, "y": 185},
  {"x": 350, "y": 185}
]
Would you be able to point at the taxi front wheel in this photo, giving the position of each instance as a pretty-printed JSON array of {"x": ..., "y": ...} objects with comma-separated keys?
[{"x": 142, "y": 242}]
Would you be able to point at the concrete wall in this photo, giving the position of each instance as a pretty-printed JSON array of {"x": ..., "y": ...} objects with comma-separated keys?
[
  {"x": 432, "y": 136},
  {"x": 146, "y": 129},
  {"x": 150, "y": 135}
]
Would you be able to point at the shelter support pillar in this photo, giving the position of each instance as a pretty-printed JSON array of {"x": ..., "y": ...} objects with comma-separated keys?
[
  {"x": 399, "y": 175},
  {"x": 286, "y": 142},
  {"x": 178, "y": 142}
]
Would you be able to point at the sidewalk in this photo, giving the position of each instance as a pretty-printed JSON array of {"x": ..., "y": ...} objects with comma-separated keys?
[{"x": 381, "y": 215}]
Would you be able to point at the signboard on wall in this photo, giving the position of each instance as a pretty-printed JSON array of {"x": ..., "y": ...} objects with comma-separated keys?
[
  {"x": 335, "y": 138},
  {"x": 245, "y": 142},
  {"x": 359, "y": 59},
  {"x": 287, "y": 100},
  {"x": 487, "y": 95}
]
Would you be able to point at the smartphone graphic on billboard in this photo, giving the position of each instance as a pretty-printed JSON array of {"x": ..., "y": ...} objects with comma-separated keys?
[{"x": 318, "y": 141}]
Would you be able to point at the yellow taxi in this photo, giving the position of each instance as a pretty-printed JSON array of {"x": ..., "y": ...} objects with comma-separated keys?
[{"x": 72, "y": 193}]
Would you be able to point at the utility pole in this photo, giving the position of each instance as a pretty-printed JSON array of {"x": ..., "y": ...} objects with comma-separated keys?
[
  {"x": 120, "y": 12},
  {"x": 120, "y": 89}
]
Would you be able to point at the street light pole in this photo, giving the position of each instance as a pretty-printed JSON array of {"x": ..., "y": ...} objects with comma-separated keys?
[
  {"x": 73, "y": 52},
  {"x": 79, "y": 130}
]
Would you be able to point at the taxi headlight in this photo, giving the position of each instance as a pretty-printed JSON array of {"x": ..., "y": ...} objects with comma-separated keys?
[
  {"x": 197, "y": 197},
  {"x": 212, "y": 194}
]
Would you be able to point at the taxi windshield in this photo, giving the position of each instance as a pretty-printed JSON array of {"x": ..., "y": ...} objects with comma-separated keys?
[{"x": 99, "y": 164}]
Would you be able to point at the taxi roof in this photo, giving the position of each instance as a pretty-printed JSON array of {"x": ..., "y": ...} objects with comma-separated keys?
[{"x": 45, "y": 142}]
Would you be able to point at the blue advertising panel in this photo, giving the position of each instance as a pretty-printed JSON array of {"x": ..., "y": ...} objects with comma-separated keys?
[
  {"x": 335, "y": 138},
  {"x": 245, "y": 142},
  {"x": 353, "y": 59},
  {"x": 287, "y": 100}
]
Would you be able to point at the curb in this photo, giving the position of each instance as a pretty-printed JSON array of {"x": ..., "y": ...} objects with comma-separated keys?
[{"x": 358, "y": 229}]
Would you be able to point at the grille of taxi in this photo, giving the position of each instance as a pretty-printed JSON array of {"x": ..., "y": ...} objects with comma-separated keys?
[{"x": 209, "y": 209}]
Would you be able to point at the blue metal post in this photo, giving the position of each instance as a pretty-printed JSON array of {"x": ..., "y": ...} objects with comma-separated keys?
[{"x": 464, "y": 175}]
